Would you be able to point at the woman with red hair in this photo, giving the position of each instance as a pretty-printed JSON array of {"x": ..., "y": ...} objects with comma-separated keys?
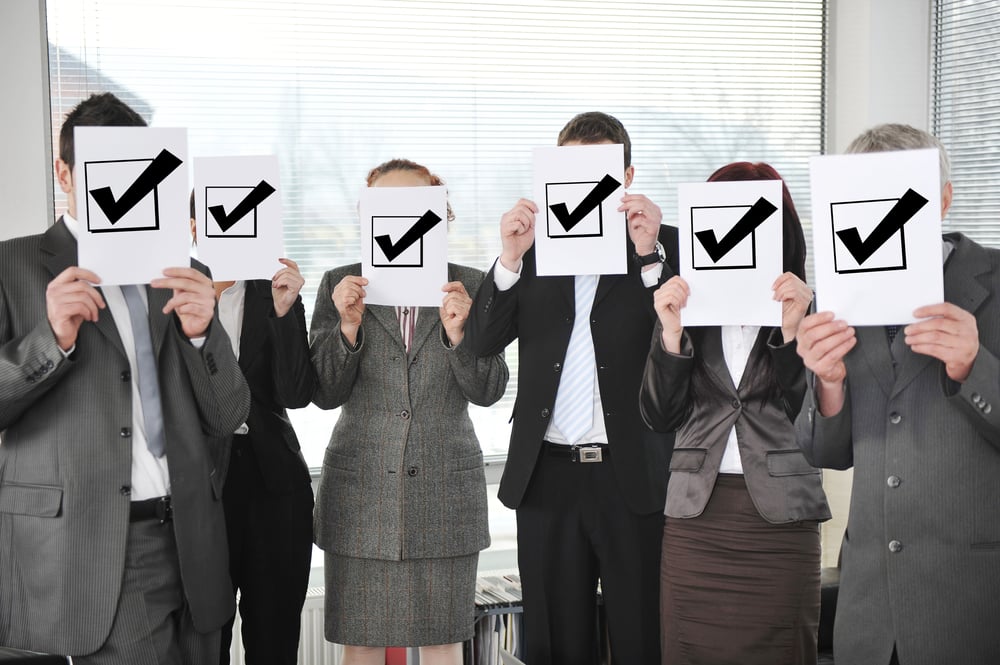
[{"x": 741, "y": 550}]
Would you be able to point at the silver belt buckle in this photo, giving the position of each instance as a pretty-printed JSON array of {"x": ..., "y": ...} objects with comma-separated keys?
[{"x": 588, "y": 454}]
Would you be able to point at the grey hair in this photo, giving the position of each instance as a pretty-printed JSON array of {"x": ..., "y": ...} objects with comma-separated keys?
[{"x": 891, "y": 136}]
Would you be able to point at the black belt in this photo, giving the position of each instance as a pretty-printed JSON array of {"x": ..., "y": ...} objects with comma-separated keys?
[
  {"x": 585, "y": 453},
  {"x": 151, "y": 509}
]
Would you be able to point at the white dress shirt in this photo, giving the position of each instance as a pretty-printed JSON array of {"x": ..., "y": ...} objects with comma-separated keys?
[{"x": 737, "y": 342}]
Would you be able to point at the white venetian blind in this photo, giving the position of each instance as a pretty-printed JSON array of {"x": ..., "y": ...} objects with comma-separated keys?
[
  {"x": 467, "y": 88},
  {"x": 966, "y": 111}
]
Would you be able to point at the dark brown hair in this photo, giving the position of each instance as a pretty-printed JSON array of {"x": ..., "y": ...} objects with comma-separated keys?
[
  {"x": 103, "y": 109},
  {"x": 596, "y": 127}
]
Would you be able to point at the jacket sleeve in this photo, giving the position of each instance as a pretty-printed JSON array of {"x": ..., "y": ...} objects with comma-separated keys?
[
  {"x": 30, "y": 366},
  {"x": 335, "y": 363},
  {"x": 291, "y": 365},
  {"x": 826, "y": 442},
  {"x": 664, "y": 395},
  {"x": 492, "y": 323},
  {"x": 789, "y": 371},
  {"x": 978, "y": 397}
]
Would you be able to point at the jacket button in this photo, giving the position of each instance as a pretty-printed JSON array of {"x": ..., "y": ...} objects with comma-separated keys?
[
  {"x": 545, "y": 413},
  {"x": 125, "y": 490},
  {"x": 602, "y": 367},
  {"x": 48, "y": 364},
  {"x": 125, "y": 432},
  {"x": 404, "y": 414},
  {"x": 895, "y": 418},
  {"x": 986, "y": 408},
  {"x": 893, "y": 481},
  {"x": 557, "y": 367},
  {"x": 126, "y": 375},
  {"x": 976, "y": 398},
  {"x": 895, "y": 546},
  {"x": 412, "y": 471},
  {"x": 736, "y": 404}
]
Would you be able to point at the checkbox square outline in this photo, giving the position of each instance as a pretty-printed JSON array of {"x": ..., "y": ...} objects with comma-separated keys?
[
  {"x": 694, "y": 240},
  {"x": 377, "y": 251},
  {"x": 837, "y": 241},
  {"x": 86, "y": 186},
  {"x": 209, "y": 218},
  {"x": 549, "y": 215}
]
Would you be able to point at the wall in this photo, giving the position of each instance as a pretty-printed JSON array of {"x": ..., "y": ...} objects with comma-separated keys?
[{"x": 26, "y": 168}]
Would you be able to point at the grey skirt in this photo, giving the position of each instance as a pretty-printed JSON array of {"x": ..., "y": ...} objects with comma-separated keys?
[{"x": 411, "y": 603}]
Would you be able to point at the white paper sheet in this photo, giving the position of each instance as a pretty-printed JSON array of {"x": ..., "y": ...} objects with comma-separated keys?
[
  {"x": 877, "y": 235},
  {"x": 238, "y": 216},
  {"x": 404, "y": 245},
  {"x": 730, "y": 251},
  {"x": 578, "y": 229},
  {"x": 132, "y": 201}
]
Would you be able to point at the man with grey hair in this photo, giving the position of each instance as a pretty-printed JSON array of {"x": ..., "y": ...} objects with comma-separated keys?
[{"x": 918, "y": 417}]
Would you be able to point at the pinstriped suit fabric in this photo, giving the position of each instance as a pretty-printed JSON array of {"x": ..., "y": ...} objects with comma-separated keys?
[
  {"x": 926, "y": 458},
  {"x": 65, "y": 459}
]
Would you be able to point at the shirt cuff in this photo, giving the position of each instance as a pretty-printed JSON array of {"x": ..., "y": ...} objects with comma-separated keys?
[
  {"x": 505, "y": 279},
  {"x": 650, "y": 277}
]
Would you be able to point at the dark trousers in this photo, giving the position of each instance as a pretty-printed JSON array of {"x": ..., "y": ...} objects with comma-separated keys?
[
  {"x": 573, "y": 529},
  {"x": 270, "y": 549}
]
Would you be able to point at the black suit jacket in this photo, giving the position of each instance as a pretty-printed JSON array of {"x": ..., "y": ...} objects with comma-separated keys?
[
  {"x": 538, "y": 312},
  {"x": 274, "y": 357}
]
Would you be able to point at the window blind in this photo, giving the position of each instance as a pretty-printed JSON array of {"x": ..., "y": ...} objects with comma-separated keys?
[
  {"x": 966, "y": 111},
  {"x": 467, "y": 88}
]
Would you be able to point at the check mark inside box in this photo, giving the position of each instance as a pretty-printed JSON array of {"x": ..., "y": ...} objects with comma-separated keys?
[
  {"x": 866, "y": 236},
  {"x": 395, "y": 251},
  {"x": 714, "y": 222},
  {"x": 118, "y": 199},
  {"x": 574, "y": 209},
  {"x": 230, "y": 212}
]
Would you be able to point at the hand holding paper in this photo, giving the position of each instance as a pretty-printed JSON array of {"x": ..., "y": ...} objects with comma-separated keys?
[
  {"x": 950, "y": 335},
  {"x": 643, "y": 218},
  {"x": 349, "y": 299},
  {"x": 70, "y": 299},
  {"x": 517, "y": 233},
  {"x": 193, "y": 301},
  {"x": 668, "y": 301},
  {"x": 795, "y": 297},
  {"x": 285, "y": 287},
  {"x": 454, "y": 311},
  {"x": 822, "y": 343}
]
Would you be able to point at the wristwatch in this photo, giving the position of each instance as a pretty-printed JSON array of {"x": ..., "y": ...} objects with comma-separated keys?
[{"x": 658, "y": 256}]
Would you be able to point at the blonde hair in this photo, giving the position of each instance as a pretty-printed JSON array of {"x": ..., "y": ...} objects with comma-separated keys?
[{"x": 407, "y": 165}]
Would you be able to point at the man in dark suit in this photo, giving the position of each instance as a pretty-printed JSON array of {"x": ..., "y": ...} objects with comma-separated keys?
[
  {"x": 268, "y": 491},
  {"x": 589, "y": 505},
  {"x": 112, "y": 536},
  {"x": 916, "y": 412}
]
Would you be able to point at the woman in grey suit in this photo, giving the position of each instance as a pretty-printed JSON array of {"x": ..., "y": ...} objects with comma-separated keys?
[
  {"x": 741, "y": 550},
  {"x": 401, "y": 506}
]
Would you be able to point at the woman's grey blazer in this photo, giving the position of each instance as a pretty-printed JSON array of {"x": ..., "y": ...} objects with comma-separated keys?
[
  {"x": 403, "y": 472},
  {"x": 784, "y": 487}
]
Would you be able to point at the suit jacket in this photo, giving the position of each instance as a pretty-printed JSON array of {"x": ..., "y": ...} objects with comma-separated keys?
[
  {"x": 921, "y": 556},
  {"x": 274, "y": 358},
  {"x": 784, "y": 487},
  {"x": 66, "y": 462},
  {"x": 403, "y": 472},
  {"x": 538, "y": 312}
]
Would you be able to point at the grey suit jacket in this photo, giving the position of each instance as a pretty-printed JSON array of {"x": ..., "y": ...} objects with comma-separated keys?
[
  {"x": 65, "y": 458},
  {"x": 403, "y": 472},
  {"x": 784, "y": 487},
  {"x": 921, "y": 557}
]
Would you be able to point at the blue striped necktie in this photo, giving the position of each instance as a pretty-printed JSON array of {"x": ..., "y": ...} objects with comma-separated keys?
[
  {"x": 145, "y": 365},
  {"x": 574, "y": 408}
]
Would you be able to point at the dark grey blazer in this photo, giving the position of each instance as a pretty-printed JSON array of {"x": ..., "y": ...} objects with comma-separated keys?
[
  {"x": 66, "y": 459},
  {"x": 403, "y": 472},
  {"x": 784, "y": 487},
  {"x": 921, "y": 557}
]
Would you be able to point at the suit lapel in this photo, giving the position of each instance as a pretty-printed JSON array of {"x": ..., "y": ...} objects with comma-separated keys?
[
  {"x": 875, "y": 349},
  {"x": 385, "y": 316},
  {"x": 257, "y": 306},
  {"x": 158, "y": 321},
  {"x": 715, "y": 358}
]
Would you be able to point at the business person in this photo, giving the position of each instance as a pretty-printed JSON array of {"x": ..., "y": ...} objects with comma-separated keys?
[
  {"x": 267, "y": 495},
  {"x": 739, "y": 575},
  {"x": 916, "y": 413},
  {"x": 401, "y": 506},
  {"x": 588, "y": 488},
  {"x": 112, "y": 536}
]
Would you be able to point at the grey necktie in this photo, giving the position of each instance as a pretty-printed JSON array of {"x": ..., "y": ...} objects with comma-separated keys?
[{"x": 145, "y": 363}]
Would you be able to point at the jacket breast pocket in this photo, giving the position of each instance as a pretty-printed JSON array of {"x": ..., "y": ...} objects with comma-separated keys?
[
  {"x": 688, "y": 460},
  {"x": 789, "y": 462},
  {"x": 31, "y": 499}
]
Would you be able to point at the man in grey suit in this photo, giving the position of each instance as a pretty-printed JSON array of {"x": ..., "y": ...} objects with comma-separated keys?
[
  {"x": 112, "y": 539},
  {"x": 917, "y": 414}
]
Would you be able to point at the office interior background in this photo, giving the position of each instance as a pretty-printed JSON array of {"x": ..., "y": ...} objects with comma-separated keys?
[{"x": 468, "y": 88}]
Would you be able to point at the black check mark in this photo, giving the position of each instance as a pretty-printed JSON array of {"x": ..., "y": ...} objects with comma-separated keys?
[
  {"x": 161, "y": 166},
  {"x": 754, "y": 217},
  {"x": 904, "y": 210},
  {"x": 252, "y": 200},
  {"x": 601, "y": 191},
  {"x": 427, "y": 222}
]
